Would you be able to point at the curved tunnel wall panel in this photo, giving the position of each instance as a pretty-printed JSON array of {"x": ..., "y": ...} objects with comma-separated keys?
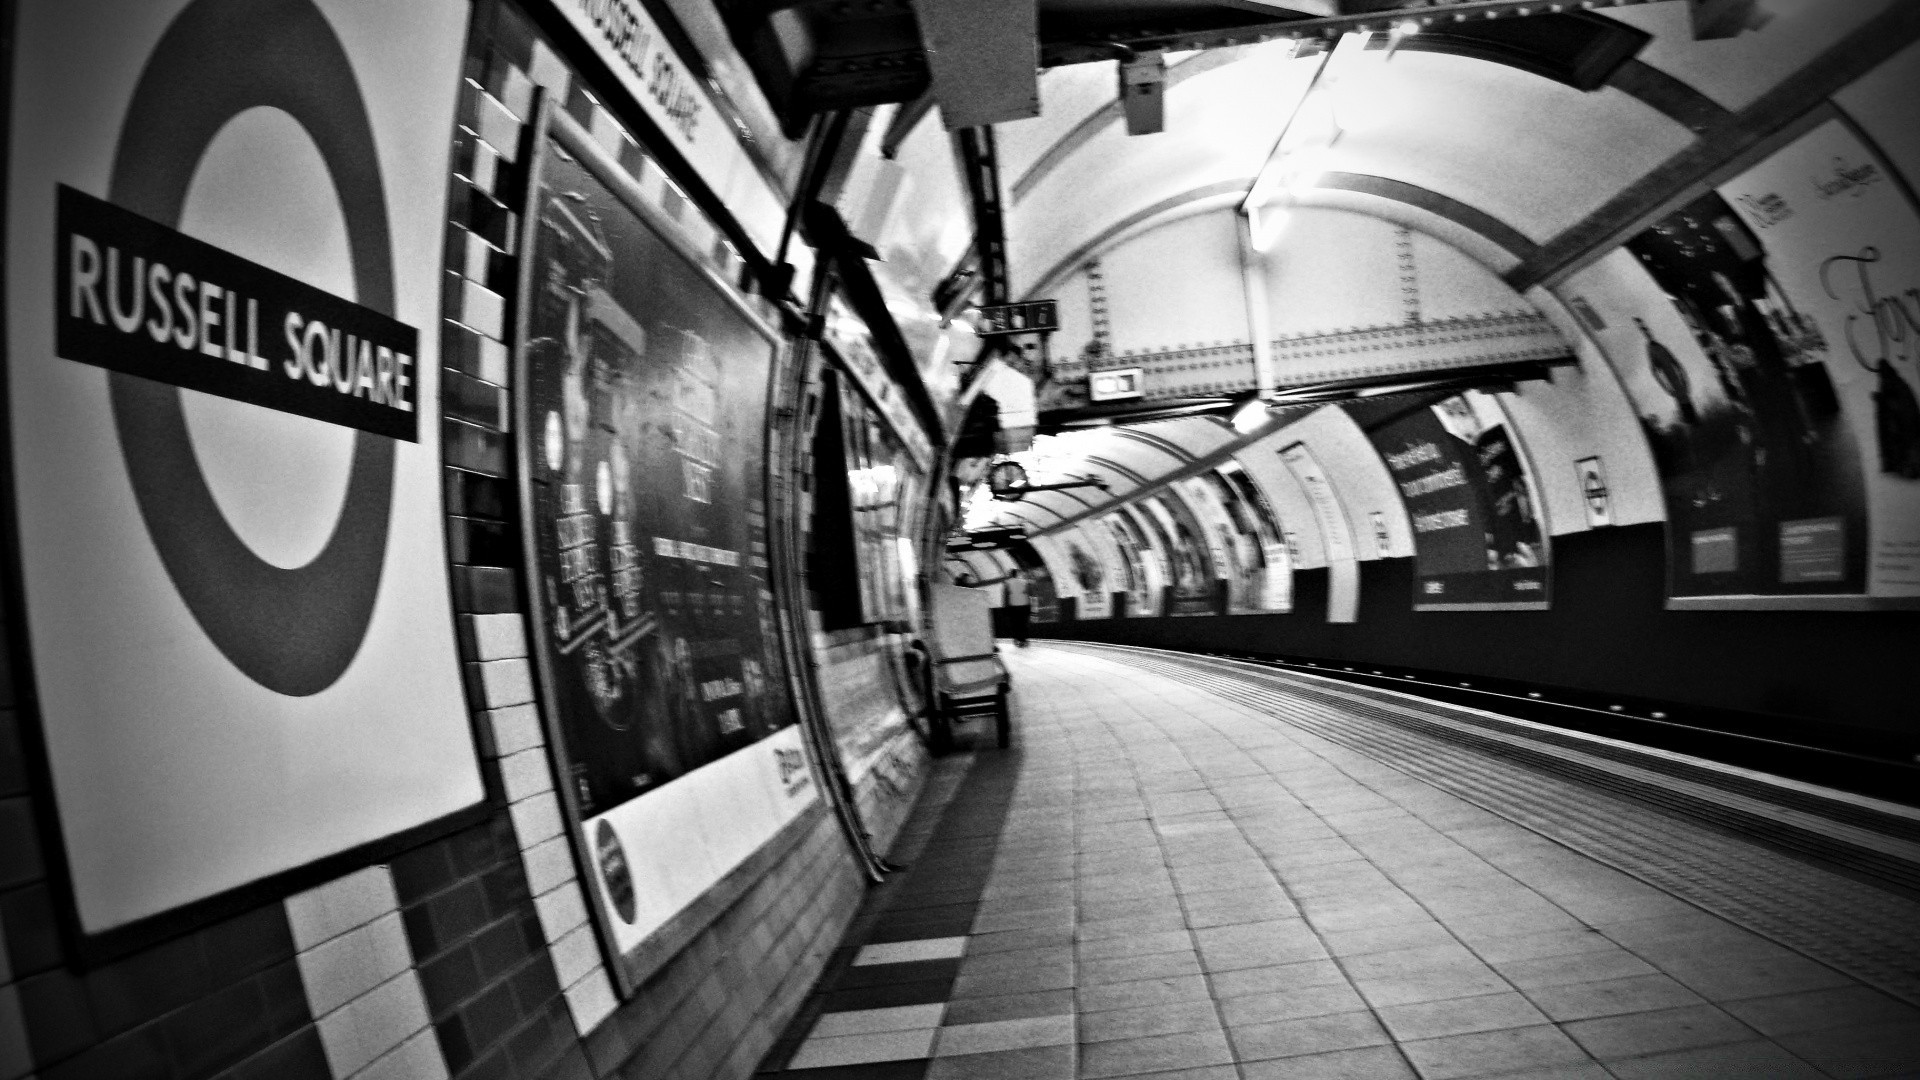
[{"x": 1583, "y": 413}]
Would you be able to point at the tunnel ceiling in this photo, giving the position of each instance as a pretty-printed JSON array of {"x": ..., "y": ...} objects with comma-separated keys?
[{"x": 1523, "y": 149}]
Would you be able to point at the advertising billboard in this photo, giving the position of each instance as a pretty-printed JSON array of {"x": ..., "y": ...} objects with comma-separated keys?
[
  {"x": 223, "y": 255},
  {"x": 1188, "y": 559},
  {"x": 1478, "y": 540},
  {"x": 645, "y": 380},
  {"x": 1776, "y": 378},
  {"x": 1255, "y": 519}
]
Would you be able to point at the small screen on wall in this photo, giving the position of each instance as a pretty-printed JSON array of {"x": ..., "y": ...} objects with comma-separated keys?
[{"x": 646, "y": 397}]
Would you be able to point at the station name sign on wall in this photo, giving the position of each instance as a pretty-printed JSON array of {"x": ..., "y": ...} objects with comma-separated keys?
[{"x": 137, "y": 297}]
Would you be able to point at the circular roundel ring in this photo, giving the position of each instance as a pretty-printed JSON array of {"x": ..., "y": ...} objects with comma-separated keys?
[{"x": 295, "y": 630}]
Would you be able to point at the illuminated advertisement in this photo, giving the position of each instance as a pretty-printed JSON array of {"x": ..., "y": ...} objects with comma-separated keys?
[
  {"x": 645, "y": 393},
  {"x": 1131, "y": 567},
  {"x": 1138, "y": 529},
  {"x": 1776, "y": 379},
  {"x": 1478, "y": 540},
  {"x": 1090, "y": 574},
  {"x": 224, "y": 281},
  {"x": 1256, "y": 521},
  {"x": 1184, "y": 542}
]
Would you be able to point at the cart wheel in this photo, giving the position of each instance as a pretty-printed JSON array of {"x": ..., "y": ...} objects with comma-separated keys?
[{"x": 1003, "y": 717}]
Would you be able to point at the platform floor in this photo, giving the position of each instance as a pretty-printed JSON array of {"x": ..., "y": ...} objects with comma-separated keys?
[{"x": 1159, "y": 881}]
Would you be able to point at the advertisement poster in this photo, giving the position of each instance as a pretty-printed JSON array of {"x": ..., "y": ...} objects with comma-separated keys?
[
  {"x": 1131, "y": 569},
  {"x": 884, "y": 484},
  {"x": 1135, "y": 524},
  {"x": 1781, "y": 407},
  {"x": 646, "y": 387},
  {"x": 1842, "y": 304},
  {"x": 1236, "y": 557},
  {"x": 1256, "y": 520},
  {"x": 1089, "y": 576},
  {"x": 224, "y": 239},
  {"x": 1478, "y": 539},
  {"x": 1185, "y": 544},
  {"x": 1336, "y": 533}
]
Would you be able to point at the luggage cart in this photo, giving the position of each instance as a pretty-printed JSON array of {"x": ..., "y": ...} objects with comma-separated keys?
[{"x": 968, "y": 678}]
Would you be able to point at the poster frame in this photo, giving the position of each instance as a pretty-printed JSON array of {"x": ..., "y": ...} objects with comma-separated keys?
[{"x": 552, "y": 125}]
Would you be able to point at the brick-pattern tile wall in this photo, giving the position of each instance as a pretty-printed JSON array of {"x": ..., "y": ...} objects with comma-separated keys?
[{"x": 470, "y": 956}]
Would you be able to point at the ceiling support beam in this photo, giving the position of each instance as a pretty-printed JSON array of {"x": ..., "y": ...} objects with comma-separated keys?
[{"x": 985, "y": 59}]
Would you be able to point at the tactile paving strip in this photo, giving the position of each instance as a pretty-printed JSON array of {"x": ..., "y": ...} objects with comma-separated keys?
[{"x": 1867, "y": 932}]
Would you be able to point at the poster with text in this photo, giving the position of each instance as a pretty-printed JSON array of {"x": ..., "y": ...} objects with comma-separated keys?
[
  {"x": 645, "y": 384},
  {"x": 1185, "y": 544},
  {"x": 1134, "y": 579},
  {"x": 1841, "y": 302},
  {"x": 1089, "y": 573},
  {"x": 224, "y": 235},
  {"x": 1138, "y": 528},
  {"x": 1776, "y": 405},
  {"x": 1256, "y": 521},
  {"x": 1478, "y": 539}
]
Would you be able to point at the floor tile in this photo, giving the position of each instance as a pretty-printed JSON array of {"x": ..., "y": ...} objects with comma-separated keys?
[
  {"x": 1290, "y": 1004},
  {"x": 1138, "y": 944},
  {"x": 1489, "y": 1053},
  {"x": 915, "y": 1069},
  {"x": 866, "y": 1021},
  {"x": 898, "y": 952},
  {"x": 1035, "y": 1063},
  {"x": 1636, "y": 1034},
  {"x": 1586, "y": 967},
  {"x": 859, "y": 1049},
  {"x": 1367, "y": 1063},
  {"x": 1275, "y": 978},
  {"x": 1129, "y": 968},
  {"x": 1460, "y": 1016},
  {"x": 1818, "y": 1010},
  {"x": 1154, "y": 1053},
  {"x": 1128, "y": 995},
  {"x": 1866, "y": 1050},
  {"x": 980, "y": 1010},
  {"x": 1147, "y": 1020},
  {"x": 1614, "y": 997},
  {"x": 994, "y": 1035},
  {"x": 1430, "y": 986},
  {"x": 1733, "y": 1061},
  {"x": 1379, "y": 939},
  {"x": 1308, "y": 1035}
]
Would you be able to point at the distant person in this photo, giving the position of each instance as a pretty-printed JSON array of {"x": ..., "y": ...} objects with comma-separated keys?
[{"x": 1019, "y": 611}]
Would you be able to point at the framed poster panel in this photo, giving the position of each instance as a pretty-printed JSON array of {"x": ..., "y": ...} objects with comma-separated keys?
[
  {"x": 1188, "y": 557},
  {"x": 1255, "y": 516},
  {"x": 645, "y": 380},
  {"x": 224, "y": 269},
  {"x": 1478, "y": 540},
  {"x": 1776, "y": 378}
]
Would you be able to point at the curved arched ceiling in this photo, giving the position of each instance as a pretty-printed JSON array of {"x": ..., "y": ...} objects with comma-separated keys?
[{"x": 1521, "y": 172}]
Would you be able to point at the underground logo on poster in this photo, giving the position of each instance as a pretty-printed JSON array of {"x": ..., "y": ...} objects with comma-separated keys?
[{"x": 163, "y": 311}]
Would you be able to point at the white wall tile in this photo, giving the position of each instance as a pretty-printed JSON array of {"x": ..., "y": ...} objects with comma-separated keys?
[
  {"x": 549, "y": 864},
  {"x": 535, "y": 819},
  {"x": 419, "y": 1058},
  {"x": 561, "y": 910},
  {"x": 332, "y": 909},
  {"x": 575, "y": 955},
  {"x": 498, "y": 637},
  {"x": 525, "y": 774},
  {"x": 353, "y": 963},
  {"x": 363, "y": 1030},
  {"x": 591, "y": 1000},
  {"x": 516, "y": 728},
  {"x": 506, "y": 682}
]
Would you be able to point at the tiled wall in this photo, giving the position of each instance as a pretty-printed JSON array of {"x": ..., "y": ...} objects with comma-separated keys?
[{"x": 470, "y": 956}]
